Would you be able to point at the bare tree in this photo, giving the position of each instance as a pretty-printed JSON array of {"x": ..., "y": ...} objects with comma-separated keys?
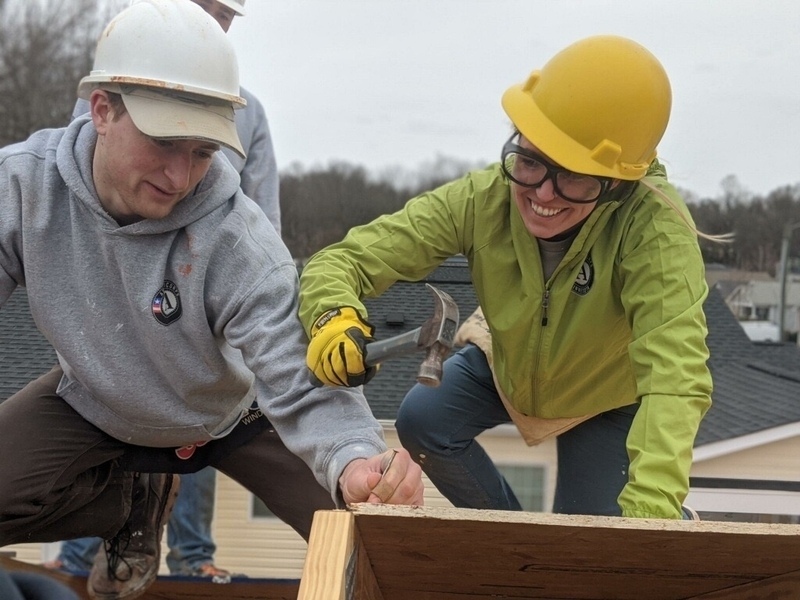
[
  {"x": 46, "y": 46},
  {"x": 428, "y": 174},
  {"x": 320, "y": 205}
]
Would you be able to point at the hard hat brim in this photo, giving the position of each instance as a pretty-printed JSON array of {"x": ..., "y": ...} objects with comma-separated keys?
[{"x": 169, "y": 116}]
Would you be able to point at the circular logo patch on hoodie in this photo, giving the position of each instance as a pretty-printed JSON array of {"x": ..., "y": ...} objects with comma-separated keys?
[
  {"x": 167, "y": 303},
  {"x": 585, "y": 279}
]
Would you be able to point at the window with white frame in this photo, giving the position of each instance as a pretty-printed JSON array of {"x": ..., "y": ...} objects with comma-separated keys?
[
  {"x": 259, "y": 510},
  {"x": 527, "y": 481}
]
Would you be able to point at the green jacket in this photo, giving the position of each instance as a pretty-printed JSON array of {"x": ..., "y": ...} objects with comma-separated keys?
[{"x": 620, "y": 320}]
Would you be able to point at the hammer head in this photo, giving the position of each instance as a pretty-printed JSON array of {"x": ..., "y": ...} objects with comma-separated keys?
[{"x": 437, "y": 334}]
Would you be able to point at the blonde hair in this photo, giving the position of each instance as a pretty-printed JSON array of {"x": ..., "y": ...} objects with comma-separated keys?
[{"x": 724, "y": 238}]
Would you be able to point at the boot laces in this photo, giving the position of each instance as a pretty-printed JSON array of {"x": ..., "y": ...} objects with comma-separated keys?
[{"x": 115, "y": 554}]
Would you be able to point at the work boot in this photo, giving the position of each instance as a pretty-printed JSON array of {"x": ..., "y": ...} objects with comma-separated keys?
[
  {"x": 128, "y": 563},
  {"x": 690, "y": 514}
]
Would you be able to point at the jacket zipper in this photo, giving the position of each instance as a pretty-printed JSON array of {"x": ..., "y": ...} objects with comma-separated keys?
[{"x": 545, "y": 304}]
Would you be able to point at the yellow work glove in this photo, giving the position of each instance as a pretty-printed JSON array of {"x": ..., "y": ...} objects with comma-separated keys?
[{"x": 338, "y": 348}]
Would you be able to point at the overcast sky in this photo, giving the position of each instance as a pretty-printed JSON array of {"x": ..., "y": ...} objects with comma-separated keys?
[{"x": 400, "y": 82}]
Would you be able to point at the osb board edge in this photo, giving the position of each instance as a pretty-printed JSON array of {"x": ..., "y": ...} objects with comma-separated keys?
[{"x": 497, "y": 516}]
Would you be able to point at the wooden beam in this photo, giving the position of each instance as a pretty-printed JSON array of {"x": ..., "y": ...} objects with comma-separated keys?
[
  {"x": 337, "y": 566},
  {"x": 365, "y": 586},
  {"x": 458, "y": 554},
  {"x": 329, "y": 563}
]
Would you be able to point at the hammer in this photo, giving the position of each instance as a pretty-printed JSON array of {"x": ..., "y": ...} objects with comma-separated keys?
[{"x": 435, "y": 336}]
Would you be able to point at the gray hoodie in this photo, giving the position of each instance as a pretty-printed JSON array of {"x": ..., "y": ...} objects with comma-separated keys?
[{"x": 150, "y": 321}]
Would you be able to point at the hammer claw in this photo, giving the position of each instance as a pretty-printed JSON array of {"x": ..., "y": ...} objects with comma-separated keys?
[{"x": 436, "y": 336}]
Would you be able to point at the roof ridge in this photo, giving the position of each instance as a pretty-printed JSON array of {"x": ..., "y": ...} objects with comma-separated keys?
[{"x": 764, "y": 367}]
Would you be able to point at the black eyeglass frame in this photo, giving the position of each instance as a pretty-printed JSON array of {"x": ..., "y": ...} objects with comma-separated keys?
[{"x": 551, "y": 171}]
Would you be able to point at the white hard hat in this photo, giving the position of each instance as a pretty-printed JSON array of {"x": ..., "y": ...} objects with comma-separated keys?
[
  {"x": 175, "y": 69},
  {"x": 236, "y": 5}
]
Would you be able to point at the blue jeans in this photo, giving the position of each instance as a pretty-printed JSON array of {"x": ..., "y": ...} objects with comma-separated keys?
[
  {"x": 188, "y": 530},
  {"x": 438, "y": 427},
  {"x": 32, "y": 586},
  {"x": 78, "y": 555}
]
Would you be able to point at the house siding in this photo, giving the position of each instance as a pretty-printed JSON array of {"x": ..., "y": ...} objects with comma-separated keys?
[{"x": 774, "y": 461}]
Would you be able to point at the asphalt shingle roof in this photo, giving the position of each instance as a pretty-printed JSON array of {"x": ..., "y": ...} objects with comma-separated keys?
[
  {"x": 756, "y": 386},
  {"x": 414, "y": 303},
  {"x": 24, "y": 352}
]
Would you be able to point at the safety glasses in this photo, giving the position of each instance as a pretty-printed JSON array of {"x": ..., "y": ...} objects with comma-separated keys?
[{"x": 530, "y": 169}]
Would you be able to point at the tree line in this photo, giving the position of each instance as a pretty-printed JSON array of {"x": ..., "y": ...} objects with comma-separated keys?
[
  {"x": 321, "y": 204},
  {"x": 757, "y": 222},
  {"x": 46, "y": 46}
]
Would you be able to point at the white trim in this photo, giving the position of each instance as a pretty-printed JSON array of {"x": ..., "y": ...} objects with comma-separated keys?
[
  {"x": 504, "y": 430},
  {"x": 544, "y": 466},
  {"x": 767, "y": 502},
  {"x": 745, "y": 442}
]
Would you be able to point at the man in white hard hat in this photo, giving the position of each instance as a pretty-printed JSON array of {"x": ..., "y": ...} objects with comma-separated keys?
[
  {"x": 172, "y": 305},
  {"x": 258, "y": 169},
  {"x": 189, "y": 532}
]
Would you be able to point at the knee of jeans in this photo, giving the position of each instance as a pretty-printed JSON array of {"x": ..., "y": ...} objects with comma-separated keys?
[
  {"x": 407, "y": 421},
  {"x": 415, "y": 425}
]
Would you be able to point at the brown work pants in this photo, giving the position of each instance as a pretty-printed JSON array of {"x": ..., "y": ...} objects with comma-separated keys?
[{"x": 61, "y": 478}]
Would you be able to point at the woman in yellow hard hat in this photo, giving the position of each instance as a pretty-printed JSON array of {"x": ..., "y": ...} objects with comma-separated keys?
[{"x": 591, "y": 285}]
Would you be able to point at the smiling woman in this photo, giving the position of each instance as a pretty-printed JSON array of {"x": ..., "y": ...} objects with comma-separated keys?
[{"x": 587, "y": 268}]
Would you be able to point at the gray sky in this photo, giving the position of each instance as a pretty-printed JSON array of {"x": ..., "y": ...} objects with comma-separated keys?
[{"x": 399, "y": 82}]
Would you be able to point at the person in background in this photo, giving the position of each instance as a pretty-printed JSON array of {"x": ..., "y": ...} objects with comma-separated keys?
[
  {"x": 259, "y": 171},
  {"x": 171, "y": 303},
  {"x": 189, "y": 535},
  {"x": 590, "y": 281}
]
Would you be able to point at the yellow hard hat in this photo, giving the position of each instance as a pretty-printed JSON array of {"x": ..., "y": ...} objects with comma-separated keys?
[{"x": 599, "y": 107}]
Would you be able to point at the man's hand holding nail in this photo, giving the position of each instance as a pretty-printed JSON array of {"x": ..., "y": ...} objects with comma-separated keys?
[{"x": 388, "y": 478}]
